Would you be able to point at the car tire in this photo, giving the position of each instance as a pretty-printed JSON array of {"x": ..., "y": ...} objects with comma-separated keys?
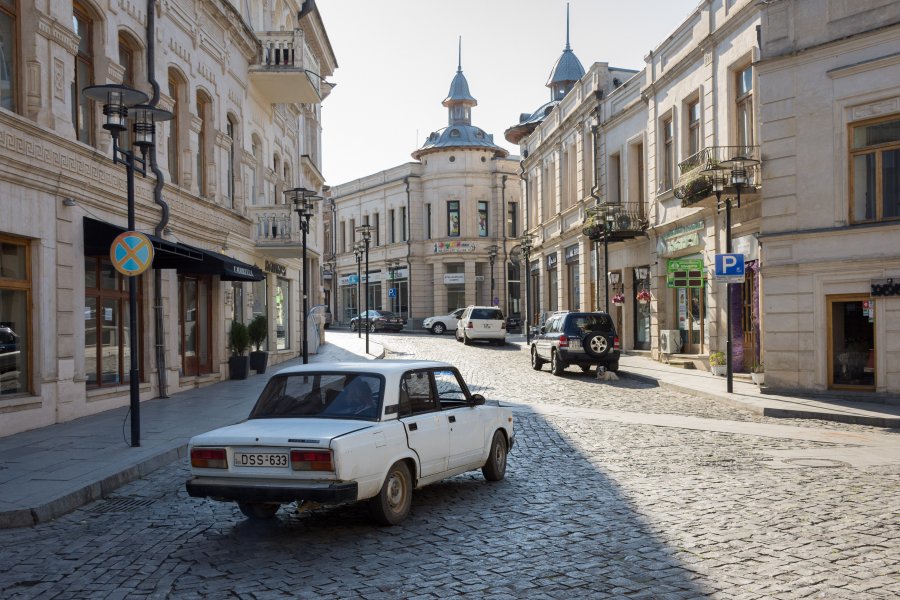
[
  {"x": 536, "y": 361},
  {"x": 495, "y": 467},
  {"x": 613, "y": 366},
  {"x": 586, "y": 369},
  {"x": 466, "y": 340},
  {"x": 458, "y": 339},
  {"x": 259, "y": 511},
  {"x": 438, "y": 329},
  {"x": 391, "y": 505},
  {"x": 373, "y": 328},
  {"x": 556, "y": 365},
  {"x": 595, "y": 344}
]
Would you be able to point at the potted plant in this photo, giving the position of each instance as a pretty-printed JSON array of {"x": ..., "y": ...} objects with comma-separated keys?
[
  {"x": 618, "y": 299},
  {"x": 238, "y": 342},
  {"x": 758, "y": 373},
  {"x": 258, "y": 330},
  {"x": 717, "y": 363},
  {"x": 643, "y": 296}
]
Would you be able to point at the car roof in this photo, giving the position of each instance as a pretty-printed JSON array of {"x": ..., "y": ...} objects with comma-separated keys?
[{"x": 385, "y": 367}]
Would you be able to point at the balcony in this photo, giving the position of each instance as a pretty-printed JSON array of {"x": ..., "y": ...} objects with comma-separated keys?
[
  {"x": 625, "y": 221},
  {"x": 286, "y": 71},
  {"x": 275, "y": 232},
  {"x": 694, "y": 187}
]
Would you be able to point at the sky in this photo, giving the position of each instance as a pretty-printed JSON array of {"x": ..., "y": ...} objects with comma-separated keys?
[{"x": 396, "y": 59}]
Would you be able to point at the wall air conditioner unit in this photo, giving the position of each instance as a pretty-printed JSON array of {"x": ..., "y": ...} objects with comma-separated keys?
[{"x": 670, "y": 341}]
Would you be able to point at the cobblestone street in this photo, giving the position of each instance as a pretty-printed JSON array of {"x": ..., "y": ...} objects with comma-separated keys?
[{"x": 614, "y": 490}]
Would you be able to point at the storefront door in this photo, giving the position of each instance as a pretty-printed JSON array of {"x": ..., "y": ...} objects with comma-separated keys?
[
  {"x": 691, "y": 311},
  {"x": 195, "y": 301},
  {"x": 851, "y": 342}
]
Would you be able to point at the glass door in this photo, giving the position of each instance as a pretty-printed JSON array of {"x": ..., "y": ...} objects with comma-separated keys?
[
  {"x": 851, "y": 342},
  {"x": 195, "y": 301},
  {"x": 691, "y": 312}
]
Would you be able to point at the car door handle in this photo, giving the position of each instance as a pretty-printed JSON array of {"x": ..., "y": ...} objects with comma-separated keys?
[
  {"x": 413, "y": 427},
  {"x": 452, "y": 419}
]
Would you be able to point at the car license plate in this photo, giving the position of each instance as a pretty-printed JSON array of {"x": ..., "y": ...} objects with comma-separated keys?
[
  {"x": 486, "y": 325},
  {"x": 261, "y": 459},
  {"x": 575, "y": 344}
]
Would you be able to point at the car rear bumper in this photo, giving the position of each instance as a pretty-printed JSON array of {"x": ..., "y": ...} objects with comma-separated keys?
[
  {"x": 223, "y": 488},
  {"x": 583, "y": 358}
]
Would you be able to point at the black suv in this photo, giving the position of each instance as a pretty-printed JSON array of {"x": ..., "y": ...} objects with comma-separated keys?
[{"x": 585, "y": 339}]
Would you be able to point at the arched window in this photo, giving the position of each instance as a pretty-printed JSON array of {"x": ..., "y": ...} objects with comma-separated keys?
[
  {"x": 176, "y": 92},
  {"x": 232, "y": 156},
  {"x": 82, "y": 113},
  {"x": 255, "y": 169},
  {"x": 127, "y": 57},
  {"x": 276, "y": 173},
  {"x": 204, "y": 114},
  {"x": 8, "y": 55}
]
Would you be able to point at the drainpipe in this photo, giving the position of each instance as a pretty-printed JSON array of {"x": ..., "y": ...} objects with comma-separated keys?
[
  {"x": 408, "y": 226},
  {"x": 502, "y": 217},
  {"x": 526, "y": 323},
  {"x": 159, "y": 323}
]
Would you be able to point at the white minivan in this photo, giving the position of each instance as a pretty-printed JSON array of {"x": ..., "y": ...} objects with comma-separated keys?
[{"x": 481, "y": 323}]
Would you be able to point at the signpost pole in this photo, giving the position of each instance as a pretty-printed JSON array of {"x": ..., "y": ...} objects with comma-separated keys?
[{"x": 729, "y": 364}]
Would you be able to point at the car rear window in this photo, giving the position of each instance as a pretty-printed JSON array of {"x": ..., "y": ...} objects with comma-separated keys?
[
  {"x": 490, "y": 314},
  {"x": 321, "y": 395},
  {"x": 590, "y": 323}
]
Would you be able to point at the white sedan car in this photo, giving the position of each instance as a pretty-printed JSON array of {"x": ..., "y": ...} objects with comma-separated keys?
[
  {"x": 438, "y": 325},
  {"x": 333, "y": 433}
]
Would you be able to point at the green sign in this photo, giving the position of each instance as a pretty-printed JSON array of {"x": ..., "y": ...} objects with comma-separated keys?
[{"x": 685, "y": 273}]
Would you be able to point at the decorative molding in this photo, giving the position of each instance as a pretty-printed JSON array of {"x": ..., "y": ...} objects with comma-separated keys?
[
  {"x": 130, "y": 7},
  {"x": 56, "y": 32},
  {"x": 179, "y": 50},
  {"x": 59, "y": 79},
  {"x": 116, "y": 73},
  {"x": 207, "y": 73},
  {"x": 33, "y": 85},
  {"x": 874, "y": 109}
]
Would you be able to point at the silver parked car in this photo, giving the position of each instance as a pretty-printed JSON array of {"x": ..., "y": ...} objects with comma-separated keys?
[{"x": 438, "y": 325}]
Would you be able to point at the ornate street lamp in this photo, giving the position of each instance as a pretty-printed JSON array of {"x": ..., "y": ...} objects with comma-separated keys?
[
  {"x": 492, "y": 255},
  {"x": 120, "y": 103},
  {"x": 527, "y": 242},
  {"x": 606, "y": 213},
  {"x": 302, "y": 200},
  {"x": 366, "y": 232},
  {"x": 717, "y": 174},
  {"x": 358, "y": 251}
]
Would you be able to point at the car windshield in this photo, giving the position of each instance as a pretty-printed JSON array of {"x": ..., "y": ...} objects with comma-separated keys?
[
  {"x": 325, "y": 394},
  {"x": 487, "y": 313},
  {"x": 586, "y": 323}
]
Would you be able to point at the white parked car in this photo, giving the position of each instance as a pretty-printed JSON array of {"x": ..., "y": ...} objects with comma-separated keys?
[
  {"x": 332, "y": 433},
  {"x": 481, "y": 323},
  {"x": 438, "y": 325}
]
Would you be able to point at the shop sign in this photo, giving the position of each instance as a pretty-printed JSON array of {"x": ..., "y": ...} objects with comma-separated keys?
[
  {"x": 399, "y": 273},
  {"x": 551, "y": 261},
  {"x": 453, "y": 247},
  {"x": 273, "y": 267},
  {"x": 884, "y": 287},
  {"x": 535, "y": 266},
  {"x": 680, "y": 238},
  {"x": 747, "y": 245},
  {"x": 454, "y": 278},
  {"x": 572, "y": 254},
  {"x": 685, "y": 273}
]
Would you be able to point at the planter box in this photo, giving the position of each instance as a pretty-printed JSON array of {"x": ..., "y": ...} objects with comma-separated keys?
[
  {"x": 259, "y": 360},
  {"x": 718, "y": 370},
  {"x": 758, "y": 378},
  {"x": 238, "y": 367}
]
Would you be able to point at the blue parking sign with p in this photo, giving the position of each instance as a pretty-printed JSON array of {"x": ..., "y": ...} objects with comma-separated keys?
[
  {"x": 392, "y": 292},
  {"x": 729, "y": 265}
]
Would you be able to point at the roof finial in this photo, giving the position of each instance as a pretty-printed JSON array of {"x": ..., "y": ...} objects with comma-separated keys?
[
  {"x": 459, "y": 65},
  {"x": 567, "y": 26}
]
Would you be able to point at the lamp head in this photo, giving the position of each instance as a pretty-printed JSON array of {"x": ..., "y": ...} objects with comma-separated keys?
[
  {"x": 144, "y": 119},
  {"x": 116, "y": 99},
  {"x": 297, "y": 196},
  {"x": 366, "y": 231}
]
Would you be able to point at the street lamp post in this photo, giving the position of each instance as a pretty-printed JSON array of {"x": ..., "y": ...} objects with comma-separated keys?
[
  {"x": 717, "y": 175},
  {"x": 118, "y": 101},
  {"x": 358, "y": 251},
  {"x": 527, "y": 242},
  {"x": 605, "y": 213},
  {"x": 366, "y": 232},
  {"x": 302, "y": 199},
  {"x": 492, "y": 255}
]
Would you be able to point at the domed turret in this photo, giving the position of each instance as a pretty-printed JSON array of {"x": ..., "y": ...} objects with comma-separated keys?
[{"x": 567, "y": 71}]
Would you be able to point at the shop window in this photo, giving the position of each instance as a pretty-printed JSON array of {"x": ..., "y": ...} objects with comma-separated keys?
[
  {"x": 15, "y": 325},
  {"x": 9, "y": 49},
  {"x": 107, "y": 351},
  {"x": 875, "y": 171},
  {"x": 851, "y": 344},
  {"x": 282, "y": 314}
]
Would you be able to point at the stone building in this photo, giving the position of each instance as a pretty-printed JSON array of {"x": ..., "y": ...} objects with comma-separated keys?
[
  {"x": 244, "y": 81},
  {"x": 829, "y": 100},
  {"x": 445, "y": 226}
]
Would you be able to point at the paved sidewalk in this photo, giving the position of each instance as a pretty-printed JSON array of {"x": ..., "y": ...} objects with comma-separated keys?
[{"x": 50, "y": 471}]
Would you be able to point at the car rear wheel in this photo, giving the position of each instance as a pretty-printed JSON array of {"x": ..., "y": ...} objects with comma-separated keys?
[
  {"x": 536, "y": 361},
  {"x": 392, "y": 503},
  {"x": 595, "y": 344},
  {"x": 495, "y": 467},
  {"x": 466, "y": 340},
  {"x": 557, "y": 366},
  {"x": 613, "y": 366},
  {"x": 438, "y": 328},
  {"x": 258, "y": 511}
]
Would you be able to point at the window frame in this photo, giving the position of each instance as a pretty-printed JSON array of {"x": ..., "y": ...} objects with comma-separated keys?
[
  {"x": 25, "y": 285},
  {"x": 668, "y": 154},
  {"x": 484, "y": 220},
  {"x": 79, "y": 102},
  {"x": 12, "y": 13},
  {"x": 512, "y": 219},
  {"x": 743, "y": 105},
  {"x": 453, "y": 210},
  {"x": 878, "y": 151},
  {"x": 694, "y": 131}
]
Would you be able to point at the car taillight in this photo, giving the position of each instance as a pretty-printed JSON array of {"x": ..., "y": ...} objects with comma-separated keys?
[
  {"x": 563, "y": 341},
  {"x": 503, "y": 325},
  {"x": 209, "y": 458},
  {"x": 471, "y": 325},
  {"x": 311, "y": 460},
  {"x": 616, "y": 342}
]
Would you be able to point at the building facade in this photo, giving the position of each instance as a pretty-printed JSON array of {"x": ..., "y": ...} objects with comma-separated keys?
[
  {"x": 446, "y": 227},
  {"x": 236, "y": 77}
]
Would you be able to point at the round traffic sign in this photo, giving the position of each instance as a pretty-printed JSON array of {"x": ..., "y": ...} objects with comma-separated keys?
[{"x": 131, "y": 253}]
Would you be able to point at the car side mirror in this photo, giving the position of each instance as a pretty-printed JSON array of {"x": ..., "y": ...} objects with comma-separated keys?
[{"x": 477, "y": 399}]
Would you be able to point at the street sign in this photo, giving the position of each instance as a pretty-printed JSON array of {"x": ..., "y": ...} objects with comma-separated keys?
[
  {"x": 131, "y": 253},
  {"x": 730, "y": 268},
  {"x": 392, "y": 292}
]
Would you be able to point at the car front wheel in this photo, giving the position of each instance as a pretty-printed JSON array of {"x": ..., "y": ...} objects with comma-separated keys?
[
  {"x": 495, "y": 467},
  {"x": 556, "y": 365},
  {"x": 438, "y": 328},
  {"x": 258, "y": 511},
  {"x": 536, "y": 361},
  {"x": 391, "y": 505}
]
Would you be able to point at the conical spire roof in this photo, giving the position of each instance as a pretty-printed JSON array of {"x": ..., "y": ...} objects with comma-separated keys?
[
  {"x": 459, "y": 87},
  {"x": 567, "y": 70}
]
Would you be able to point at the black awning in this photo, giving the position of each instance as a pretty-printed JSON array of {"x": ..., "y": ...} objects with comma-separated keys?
[{"x": 99, "y": 235}]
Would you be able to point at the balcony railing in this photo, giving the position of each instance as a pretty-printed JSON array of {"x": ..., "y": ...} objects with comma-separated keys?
[
  {"x": 694, "y": 186},
  {"x": 276, "y": 229},
  {"x": 283, "y": 67},
  {"x": 626, "y": 221}
]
